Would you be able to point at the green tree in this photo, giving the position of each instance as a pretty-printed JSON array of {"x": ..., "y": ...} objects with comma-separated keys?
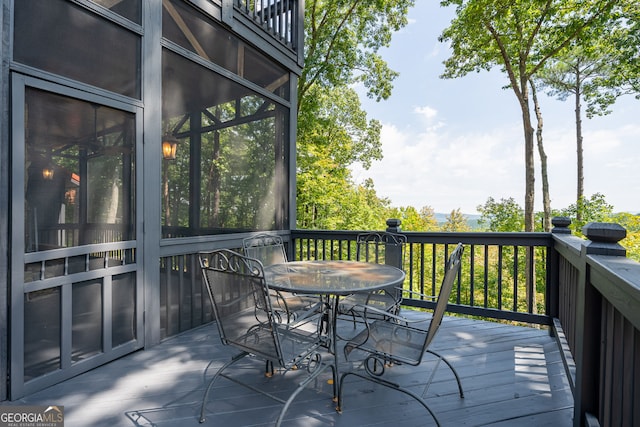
[
  {"x": 546, "y": 198},
  {"x": 593, "y": 209},
  {"x": 578, "y": 72},
  {"x": 412, "y": 220},
  {"x": 518, "y": 36},
  {"x": 505, "y": 215},
  {"x": 624, "y": 37},
  {"x": 333, "y": 137},
  {"x": 342, "y": 40},
  {"x": 428, "y": 216},
  {"x": 456, "y": 221},
  {"x": 631, "y": 223}
]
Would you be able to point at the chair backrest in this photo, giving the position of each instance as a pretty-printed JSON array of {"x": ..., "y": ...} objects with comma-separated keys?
[
  {"x": 451, "y": 271},
  {"x": 265, "y": 247},
  {"x": 237, "y": 289},
  {"x": 381, "y": 248}
]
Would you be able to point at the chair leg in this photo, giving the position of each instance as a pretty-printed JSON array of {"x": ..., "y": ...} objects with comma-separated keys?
[
  {"x": 268, "y": 369},
  {"x": 301, "y": 387},
  {"x": 384, "y": 383},
  {"x": 213, "y": 380},
  {"x": 455, "y": 373}
]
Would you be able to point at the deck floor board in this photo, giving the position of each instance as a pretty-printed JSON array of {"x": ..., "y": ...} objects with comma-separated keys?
[{"x": 511, "y": 375}]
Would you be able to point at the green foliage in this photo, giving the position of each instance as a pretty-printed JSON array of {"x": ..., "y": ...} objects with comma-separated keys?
[
  {"x": 519, "y": 37},
  {"x": 412, "y": 220},
  {"x": 631, "y": 223},
  {"x": 342, "y": 39},
  {"x": 624, "y": 37},
  {"x": 331, "y": 137},
  {"x": 456, "y": 221},
  {"x": 593, "y": 209},
  {"x": 601, "y": 64},
  {"x": 505, "y": 215}
]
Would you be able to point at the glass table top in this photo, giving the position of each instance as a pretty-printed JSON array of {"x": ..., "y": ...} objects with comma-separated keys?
[{"x": 332, "y": 277}]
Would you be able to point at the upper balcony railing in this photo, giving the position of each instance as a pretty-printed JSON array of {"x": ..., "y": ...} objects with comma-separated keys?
[{"x": 279, "y": 18}]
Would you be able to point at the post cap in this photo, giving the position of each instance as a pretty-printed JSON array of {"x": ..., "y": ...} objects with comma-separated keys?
[{"x": 604, "y": 238}]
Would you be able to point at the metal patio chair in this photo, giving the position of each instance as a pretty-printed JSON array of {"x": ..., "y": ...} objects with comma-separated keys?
[
  {"x": 269, "y": 249},
  {"x": 394, "y": 341},
  {"x": 236, "y": 286},
  {"x": 380, "y": 248}
]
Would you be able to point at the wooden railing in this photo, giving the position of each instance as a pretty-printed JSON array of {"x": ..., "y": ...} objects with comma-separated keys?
[
  {"x": 587, "y": 291},
  {"x": 503, "y": 275},
  {"x": 279, "y": 18},
  {"x": 598, "y": 323}
]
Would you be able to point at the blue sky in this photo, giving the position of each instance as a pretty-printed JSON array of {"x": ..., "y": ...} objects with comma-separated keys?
[{"x": 452, "y": 144}]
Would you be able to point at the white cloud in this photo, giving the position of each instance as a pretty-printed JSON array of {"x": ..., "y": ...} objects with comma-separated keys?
[
  {"x": 450, "y": 171},
  {"x": 426, "y": 112},
  {"x": 441, "y": 170},
  {"x": 453, "y": 143}
]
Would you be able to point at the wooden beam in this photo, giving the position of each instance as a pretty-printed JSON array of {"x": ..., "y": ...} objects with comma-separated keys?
[{"x": 185, "y": 29}]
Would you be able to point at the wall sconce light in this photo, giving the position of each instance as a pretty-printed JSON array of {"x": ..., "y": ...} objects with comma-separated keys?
[
  {"x": 47, "y": 173},
  {"x": 169, "y": 146}
]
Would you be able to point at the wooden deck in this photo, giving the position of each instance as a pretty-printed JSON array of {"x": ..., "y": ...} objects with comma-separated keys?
[{"x": 511, "y": 376}]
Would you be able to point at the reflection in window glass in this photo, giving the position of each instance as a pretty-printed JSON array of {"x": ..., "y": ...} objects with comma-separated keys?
[
  {"x": 86, "y": 321},
  {"x": 68, "y": 40},
  {"x": 41, "y": 332},
  {"x": 198, "y": 33},
  {"x": 130, "y": 9},
  {"x": 123, "y": 309},
  {"x": 229, "y": 173},
  {"x": 79, "y": 180}
]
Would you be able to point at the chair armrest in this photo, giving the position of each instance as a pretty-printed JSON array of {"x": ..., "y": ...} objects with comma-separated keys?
[
  {"x": 310, "y": 313},
  {"x": 367, "y": 308}
]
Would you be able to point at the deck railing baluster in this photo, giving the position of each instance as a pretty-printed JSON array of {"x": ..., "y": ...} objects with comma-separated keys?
[
  {"x": 424, "y": 261},
  {"x": 278, "y": 18}
]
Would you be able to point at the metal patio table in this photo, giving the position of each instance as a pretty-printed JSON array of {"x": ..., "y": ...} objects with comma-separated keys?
[{"x": 332, "y": 279}]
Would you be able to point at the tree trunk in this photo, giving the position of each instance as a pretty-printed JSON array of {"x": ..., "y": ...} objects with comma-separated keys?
[
  {"x": 530, "y": 179},
  {"x": 580, "y": 171},
  {"x": 216, "y": 180},
  {"x": 546, "y": 200},
  {"x": 529, "y": 197},
  {"x": 165, "y": 194}
]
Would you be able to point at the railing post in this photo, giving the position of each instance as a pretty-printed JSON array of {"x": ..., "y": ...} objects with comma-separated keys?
[
  {"x": 560, "y": 226},
  {"x": 603, "y": 240},
  {"x": 393, "y": 254},
  {"x": 393, "y": 225}
]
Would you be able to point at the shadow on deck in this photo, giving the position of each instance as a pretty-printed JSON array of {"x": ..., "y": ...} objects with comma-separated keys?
[{"x": 511, "y": 376}]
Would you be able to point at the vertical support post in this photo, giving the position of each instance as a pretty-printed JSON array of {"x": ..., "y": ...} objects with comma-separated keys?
[
  {"x": 227, "y": 12},
  {"x": 393, "y": 253},
  {"x": 587, "y": 352},
  {"x": 560, "y": 226},
  {"x": 152, "y": 166},
  {"x": 603, "y": 240}
]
